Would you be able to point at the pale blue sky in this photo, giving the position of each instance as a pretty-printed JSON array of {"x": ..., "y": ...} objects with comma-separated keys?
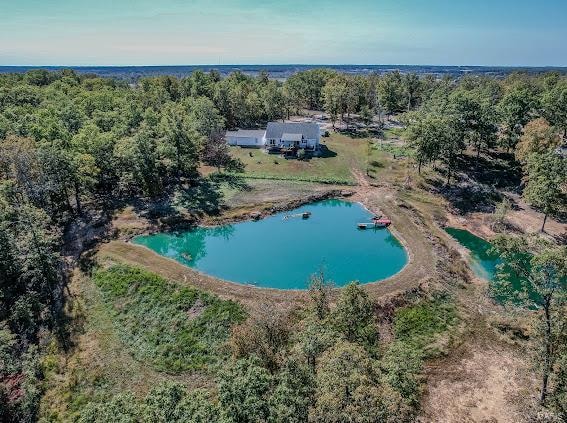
[{"x": 175, "y": 32}]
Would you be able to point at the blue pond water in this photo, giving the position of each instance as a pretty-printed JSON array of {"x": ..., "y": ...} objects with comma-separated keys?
[
  {"x": 484, "y": 262},
  {"x": 284, "y": 253}
]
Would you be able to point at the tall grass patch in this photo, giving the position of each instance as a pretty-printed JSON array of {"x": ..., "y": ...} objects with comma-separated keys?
[
  {"x": 420, "y": 324},
  {"x": 173, "y": 328}
]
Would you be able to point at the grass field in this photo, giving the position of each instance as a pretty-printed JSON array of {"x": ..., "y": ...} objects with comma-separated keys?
[{"x": 341, "y": 155}]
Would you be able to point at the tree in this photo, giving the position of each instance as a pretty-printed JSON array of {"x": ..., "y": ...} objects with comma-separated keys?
[
  {"x": 537, "y": 137},
  {"x": 216, "y": 153},
  {"x": 264, "y": 335},
  {"x": 204, "y": 118},
  {"x": 546, "y": 183},
  {"x": 320, "y": 293},
  {"x": 180, "y": 143},
  {"x": 366, "y": 115},
  {"x": 554, "y": 104},
  {"x": 122, "y": 408},
  {"x": 501, "y": 211},
  {"x": 244, "y": 388},
  {"x": 349, "y": 388},
  {"x": 515, "y": 110},
  {"x": 412, "y": 86},
  {"x": 292, "y": 395},
  {"x": 273, "y": 100},
  {"x": 138, "y": 163},
  {"x": 316, "y": 336},
  {"x": 452, "y": 143},
  {"x": 402, "y": 366},
  {"x": 197, "y": 407},
  {"x": 391, "y": 92},
  {"x": 354, "y": 316},
  {"x": 543, "y": 272},
  {"x": 425, "y": 133},
  {"x": 474, "y": 119},
  {"x": 334, "y": 97}
]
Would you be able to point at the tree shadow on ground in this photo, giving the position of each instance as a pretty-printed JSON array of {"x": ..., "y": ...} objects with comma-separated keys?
[
  {"x": 354, "y": 133},
  {"x": 496, "y": 169},
  {"x": 477, "y": 180},
  {"x": 231, "y": 180},
  {"x": 326, "y": 152},
  {"x": 205, "y": 197}
]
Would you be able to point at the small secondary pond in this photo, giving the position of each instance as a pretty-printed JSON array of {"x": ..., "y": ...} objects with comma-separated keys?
[
  {"x": 483, "y": 262},
  {"x": 280, "y": 252}
]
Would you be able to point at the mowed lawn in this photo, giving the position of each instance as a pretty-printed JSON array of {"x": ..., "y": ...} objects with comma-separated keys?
[{"x": 341, "y": 155}]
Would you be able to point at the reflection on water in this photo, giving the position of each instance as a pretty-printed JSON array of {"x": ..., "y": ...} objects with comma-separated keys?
[{"x": 283, "y": 253}]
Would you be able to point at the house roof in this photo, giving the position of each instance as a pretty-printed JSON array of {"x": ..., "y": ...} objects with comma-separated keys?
[
  {"x": 246, "y": 133},
  {"x": 292, "y": 137},
  {"x": 308, "y": 130}
]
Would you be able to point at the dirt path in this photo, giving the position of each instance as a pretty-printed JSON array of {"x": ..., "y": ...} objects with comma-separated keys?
[{"x": 360, "y": 178}]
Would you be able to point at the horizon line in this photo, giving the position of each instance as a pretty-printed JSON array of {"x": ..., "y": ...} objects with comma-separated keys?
[{"x": 282, "y": 64}]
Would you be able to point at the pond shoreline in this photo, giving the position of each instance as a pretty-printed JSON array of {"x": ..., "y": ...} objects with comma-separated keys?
[
  {"x": 257, "y": 212},
  {"x": 330, "y": 236}
]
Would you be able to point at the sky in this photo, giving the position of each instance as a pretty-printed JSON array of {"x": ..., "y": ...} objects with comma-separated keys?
[{"x": 223, "y": 32}]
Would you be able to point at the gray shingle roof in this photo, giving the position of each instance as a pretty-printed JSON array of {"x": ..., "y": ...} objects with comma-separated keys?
[
  {"x": 309, "y": 130},
  {"x": 246, "y": 133},
  {"x": 292, "y": 137}
]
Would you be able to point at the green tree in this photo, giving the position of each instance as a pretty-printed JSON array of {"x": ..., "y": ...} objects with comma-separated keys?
[
  {"x": 334, "y": 98},
  {"x": 412, "y": 87},
  {"x": 273, "y": 100},
  {"x": 391, "y": 92},
  {"x": 537, "y": 137},
  {"x": 515, "y": 109},
  {"x": 320, "y": 292},
  {"x": 122, "y": 408},
  {"x": 425, "y": 133},
  {"x": 354, "y": 316},
  {"x": 554, "y": 104},
  {"x": 546, "y": 183},
  {"x": 543, "y": 272},
  {"x": 349, "y": 389},
  {"x": 292, "y": 395},
  {"x": 474, "y": 119},
  {"x": 244, "y": 390},
  {"x": 180, "y": 143},
  {"x": 204, "y": 118}
]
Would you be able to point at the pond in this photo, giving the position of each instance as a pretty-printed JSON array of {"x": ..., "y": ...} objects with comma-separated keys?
[
  {"x": 483, "y": 262},
  {"x": 283, "y": 252}
]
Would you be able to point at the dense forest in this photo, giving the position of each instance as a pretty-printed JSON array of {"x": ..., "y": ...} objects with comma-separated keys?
[{"x": 72, "y": 145}]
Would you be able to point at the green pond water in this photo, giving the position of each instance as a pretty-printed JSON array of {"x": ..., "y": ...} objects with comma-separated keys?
[
  {"x": 482, "y": 261},
  {"x": 283, "y": 253}
]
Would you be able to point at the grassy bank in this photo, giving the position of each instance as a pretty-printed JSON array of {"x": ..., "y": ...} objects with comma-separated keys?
[
  {"x": 137, "y": 330},
  {"x": 172, "y": 328}
]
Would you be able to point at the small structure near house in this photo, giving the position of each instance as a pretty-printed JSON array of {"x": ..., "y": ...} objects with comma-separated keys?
[{"x": 246, "y": 138}]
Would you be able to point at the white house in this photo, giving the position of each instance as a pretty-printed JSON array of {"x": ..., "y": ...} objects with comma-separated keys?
[
  {"x": 278, "y": 135},
  {"x": 246, "y": 138},
  {"x": 293, "y": 134}
]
